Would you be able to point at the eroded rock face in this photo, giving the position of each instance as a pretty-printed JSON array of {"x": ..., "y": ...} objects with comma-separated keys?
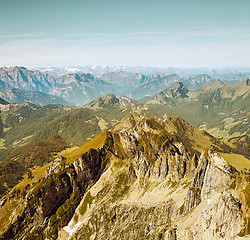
[
  {"x": 194, "y": 193},
  {"x": 172, "y": 196},
  {"x": 143, "y": 183},
  {"x": 213, "y": 174},
  {"x": 50, "y": 204},
  {"x": 221, "y": 220},
  {"x": 56, "y": 166}
]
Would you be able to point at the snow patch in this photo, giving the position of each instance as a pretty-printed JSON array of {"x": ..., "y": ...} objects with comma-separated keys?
[
  {"x": 72, "y": 70},
  {"x": 71, "y": 230}
]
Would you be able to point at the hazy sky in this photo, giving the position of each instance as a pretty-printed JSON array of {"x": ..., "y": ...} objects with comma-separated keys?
[{"x": 177, "y": 33}]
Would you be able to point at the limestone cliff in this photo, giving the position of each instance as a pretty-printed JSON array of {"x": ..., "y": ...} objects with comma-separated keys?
[
  {"x": 143, "y": 181},
  {"x": 48, "y": 205},
  {"x": 154, "y": 189}
]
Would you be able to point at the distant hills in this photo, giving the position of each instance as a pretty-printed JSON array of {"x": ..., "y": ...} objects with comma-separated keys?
[
  {"x": 15, "y": 95},
  {"x": 29, "y": 123},
  {"x": 80, "y": 85},
  {"x": 224, "y": 73},
  {"x": 178, "y": 90},
  {"x": 214, "y": 106},
  {"x": 218, "y": 108},
  {"x": 197, "y": 81},
  {"x": 211, "y": 85}
]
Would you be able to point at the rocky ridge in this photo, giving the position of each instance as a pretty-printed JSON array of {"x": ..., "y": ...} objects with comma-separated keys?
[
  {"x": 161, "y": 194},
  {"x": 46, "y": 206},
  {"x": 14, "y": 95},
  {"x": 143, "y": 180},
  {"x": 175, "y": 92},
  {"x": 151, "y": 193}
]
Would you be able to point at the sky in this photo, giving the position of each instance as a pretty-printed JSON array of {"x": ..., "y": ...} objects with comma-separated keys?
[{"x": 159, "y": 33}]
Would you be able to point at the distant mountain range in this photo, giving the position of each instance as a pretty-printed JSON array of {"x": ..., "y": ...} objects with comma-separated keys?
[
  {"x": 80, "y": 88},
  {"x": 98, "y": 71},
  {"x": 137, "y": 158},
  {"x": 15, "y": 95},
  {"x": 218, "y": 108},
  {"x": 75, "y": 87},
  {"x": 26, "y": 80}
]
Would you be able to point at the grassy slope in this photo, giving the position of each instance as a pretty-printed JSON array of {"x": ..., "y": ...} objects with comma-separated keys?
[
  {"x": 27, "y": 123},
  {"x": 38, "y": 173},
  {"x": 20, "y": 161},
  {"x": 223, "y": 112},
  {"x": 22, "y": 121},
  {"x": 237, "y": 161},
  {"x": 74, "y": 153}
]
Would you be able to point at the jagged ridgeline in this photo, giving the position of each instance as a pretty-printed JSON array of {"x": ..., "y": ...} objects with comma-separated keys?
[
  {"x": 28, "y": 123},
  {"x": 143, "y": 179},
  {"x": 220, "y": 109}
]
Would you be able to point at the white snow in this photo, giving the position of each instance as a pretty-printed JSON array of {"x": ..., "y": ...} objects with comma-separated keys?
[
  {"x": 72, "y": 70},
  {"x": 71, "y": 230},
  {"x": 47, "y": 70}
]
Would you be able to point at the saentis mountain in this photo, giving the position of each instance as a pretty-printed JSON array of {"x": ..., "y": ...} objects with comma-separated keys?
[{"x": 144, "y": 178}]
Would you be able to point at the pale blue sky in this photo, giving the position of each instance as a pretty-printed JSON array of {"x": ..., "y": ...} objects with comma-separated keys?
[{"x": 180, "y": 33}]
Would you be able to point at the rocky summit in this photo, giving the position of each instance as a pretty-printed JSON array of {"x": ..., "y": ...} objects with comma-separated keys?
[{"x": 145, "y": 178}]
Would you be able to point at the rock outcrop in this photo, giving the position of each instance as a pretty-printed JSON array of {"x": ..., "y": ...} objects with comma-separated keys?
[
  {"x": 144, "y": 182},
  {"x": 153, "y": 189},
  {"x": 50, "y": 203}
]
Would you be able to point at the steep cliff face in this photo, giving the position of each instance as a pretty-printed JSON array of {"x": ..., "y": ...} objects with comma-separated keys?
[
  {"x": 153, "y": 189},
  {"x": 48, "y": 205},
  {"x": 144, "y": 181}
]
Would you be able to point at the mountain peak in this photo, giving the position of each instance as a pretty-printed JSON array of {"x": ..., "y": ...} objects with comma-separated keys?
[
  {"x": 178, "y": 90},
  {"x": 211, "y": 85},
  {"x": 128, "y": 102},
  {"x": 146, "y": 171},
  {"x": 105, "y": 100}
]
